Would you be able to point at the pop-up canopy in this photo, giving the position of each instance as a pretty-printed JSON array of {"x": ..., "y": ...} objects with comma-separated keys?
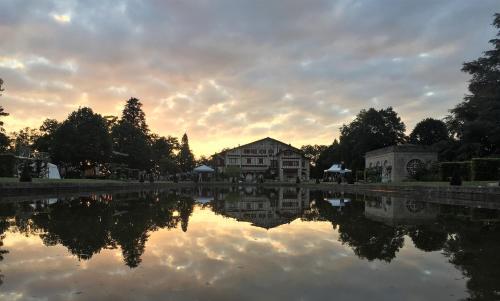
[
  {"x": 337, "y": 168},
  {"x": 203, "y": 168}
]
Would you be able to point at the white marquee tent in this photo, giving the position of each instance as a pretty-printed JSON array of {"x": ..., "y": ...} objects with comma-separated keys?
[{"x": 337, "y": 168}]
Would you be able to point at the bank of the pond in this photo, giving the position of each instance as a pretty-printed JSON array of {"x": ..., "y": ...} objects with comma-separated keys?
[{"x": 470, "y": 191}]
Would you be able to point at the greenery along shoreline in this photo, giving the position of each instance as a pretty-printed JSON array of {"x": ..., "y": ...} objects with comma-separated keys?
[{"x": 87, "y": 139}]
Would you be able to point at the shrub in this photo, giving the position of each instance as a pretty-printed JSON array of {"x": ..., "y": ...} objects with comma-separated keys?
[
  {"x": 7, "y": 165},
  {"x": 26, "y": 172},
  {"x": 485, "y": 169},
  {"x": 448, "y": 169},
  {"x": 427, "y": 173},
  {"x": 373, "y": 174},
  {"x": 360, "y": 175}
]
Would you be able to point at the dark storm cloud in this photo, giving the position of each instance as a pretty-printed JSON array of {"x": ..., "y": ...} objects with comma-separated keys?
[{"x": 229, "y": 71}]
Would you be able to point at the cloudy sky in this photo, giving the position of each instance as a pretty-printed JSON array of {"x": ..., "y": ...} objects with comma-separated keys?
[{"x": 230, "y": 71}]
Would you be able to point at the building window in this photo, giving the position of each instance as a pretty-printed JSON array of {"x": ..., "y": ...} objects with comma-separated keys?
[
  {"x": 413, "y": 166},
  {"x": 274, "y": 163},
  {"x": 270, "y": 151},
  {"x": 249, "y": 161},
  {"x": 261, "y": 161},
  {"x": 290, "y": 163},
  {"x": 262, "y": 151},
  {"x": 246, "y": 151}
]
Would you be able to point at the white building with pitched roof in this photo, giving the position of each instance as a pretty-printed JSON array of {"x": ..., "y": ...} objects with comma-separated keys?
[{"x": 263, "y": 157}]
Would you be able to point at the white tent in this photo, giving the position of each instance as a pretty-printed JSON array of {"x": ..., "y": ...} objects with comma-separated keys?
[
  {"x": 203, "y": 168},
  {"x": 338, "y": 202},
  {"x": 337, "y": 168},
  {"x": 53, "y": 172}
]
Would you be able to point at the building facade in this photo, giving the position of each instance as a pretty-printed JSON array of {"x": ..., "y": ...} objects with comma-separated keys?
[
  {"x": 400, "y": 162},
  {"x": 265, "y": 158}
]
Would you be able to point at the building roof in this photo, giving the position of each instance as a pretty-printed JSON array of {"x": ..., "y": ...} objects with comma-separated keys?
[
  {"x": 403, "y": 148},
  {"x": 260, "y": 140}
]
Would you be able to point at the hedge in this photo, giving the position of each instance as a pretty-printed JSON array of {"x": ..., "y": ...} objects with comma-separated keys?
[
  {"x": 485, "y": 169},
  {"x": 373, "y": 174},
  {"x": 7, "y": 165},
  {"x": 446, "y": 170}
]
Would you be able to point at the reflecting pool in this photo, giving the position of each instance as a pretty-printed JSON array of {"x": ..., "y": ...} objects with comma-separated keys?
[{"x": 246, "y": 243}]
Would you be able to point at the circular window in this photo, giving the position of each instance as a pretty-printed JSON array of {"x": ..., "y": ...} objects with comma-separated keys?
[{"x": 413, "y": 166}]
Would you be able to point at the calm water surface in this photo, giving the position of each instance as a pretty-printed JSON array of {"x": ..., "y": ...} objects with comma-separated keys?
[{"x": 247, "y": 244}]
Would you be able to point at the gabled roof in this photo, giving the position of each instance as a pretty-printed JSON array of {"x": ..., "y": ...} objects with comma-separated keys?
[{"x": 261, "y": 140}]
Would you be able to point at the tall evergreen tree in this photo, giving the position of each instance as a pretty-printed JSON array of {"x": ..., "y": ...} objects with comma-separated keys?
[
  {"x": 134, "y": 142},
  {"x": 133, "y": 114},
  {"x": 185, "y": 156},
  {"x": 475, "y": 121}
]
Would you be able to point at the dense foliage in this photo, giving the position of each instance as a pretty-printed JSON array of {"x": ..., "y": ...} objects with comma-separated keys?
[
  {"x": 82, "y": 140},
  {"x": 475, "y": 122},
  {"x": 428, "y": 132}
]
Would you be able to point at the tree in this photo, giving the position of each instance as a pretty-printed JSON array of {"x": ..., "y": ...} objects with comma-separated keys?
[
  {"x": 475, "y": 121},
  {"x": 4, "y": 140},
  {"x": 132, "y": 141},
  {"x": 82, "y": 140},
  {"x": 428, "y": 132},
  {"x": 185, "y": 156},
  {"x": 312, "y": 152},
  {"x": 371, "y": 129},
  {"x": 163, "y": 147},
  {"x": 133, "y": 114},
  {"x": 24, "y": 141},
  {"x": 45, "y": 139},
  {"x": 317, "y": 154}
]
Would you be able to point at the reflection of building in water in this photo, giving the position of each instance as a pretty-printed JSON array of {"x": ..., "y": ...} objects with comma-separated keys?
[
  {"x": 396, "y": 211},
  {"x": 266, "y": 210}
]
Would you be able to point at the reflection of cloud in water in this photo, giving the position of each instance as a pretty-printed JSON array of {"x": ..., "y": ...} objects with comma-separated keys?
[{"x": 222, "y": 259}]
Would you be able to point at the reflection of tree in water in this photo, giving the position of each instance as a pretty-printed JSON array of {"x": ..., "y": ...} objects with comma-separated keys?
[
  {"x": 428, "y": 238},
  {"x": 474, "y": 248},
  {"x": 186, "y": 206},
  {"x": 86, "y": 225},
  {"x": 368, "y": 239},
  {"x": 4, "y": 225},
  {"x": 468, "y": 237},
  {"x": 81, "y": 225}
]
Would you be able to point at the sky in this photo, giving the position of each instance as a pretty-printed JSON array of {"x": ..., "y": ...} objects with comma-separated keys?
[{"x": 228, "y": 72}]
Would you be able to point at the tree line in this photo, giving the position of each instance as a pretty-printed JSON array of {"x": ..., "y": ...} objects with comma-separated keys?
[
  {"x": 86, "y": 139},
  {"x": 472, "y": 129}
]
